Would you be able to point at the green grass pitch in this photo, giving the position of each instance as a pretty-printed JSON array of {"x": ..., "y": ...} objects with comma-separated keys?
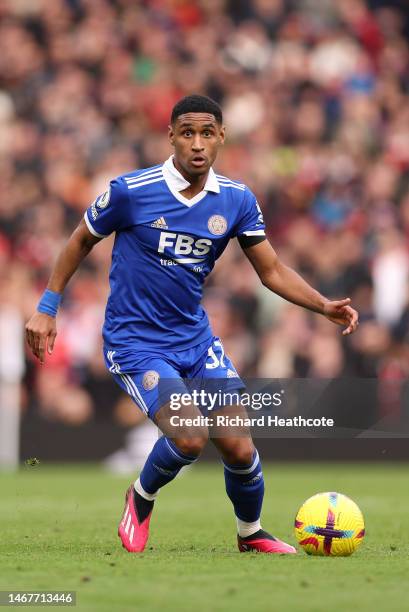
[{"x": 58, "y": 531}]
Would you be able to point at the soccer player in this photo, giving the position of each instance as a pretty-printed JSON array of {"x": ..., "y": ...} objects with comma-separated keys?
[{"x": 172, "y": 222}]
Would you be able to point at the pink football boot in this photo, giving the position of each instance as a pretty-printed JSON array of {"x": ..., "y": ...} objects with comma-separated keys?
[
  {"x": 134, "y": 526},
  {"x": 261, "y": 541}
]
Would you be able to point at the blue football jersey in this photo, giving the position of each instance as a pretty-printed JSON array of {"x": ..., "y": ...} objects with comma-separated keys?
[{"x": 165, "y": 246}]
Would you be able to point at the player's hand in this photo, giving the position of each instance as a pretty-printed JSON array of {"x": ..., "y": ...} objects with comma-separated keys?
[
  {"x": 41, "y": 331},
  {"x": 342, "y": 313}
]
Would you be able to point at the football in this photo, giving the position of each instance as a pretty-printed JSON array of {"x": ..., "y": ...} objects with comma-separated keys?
[{"x": 329, "y": 524}]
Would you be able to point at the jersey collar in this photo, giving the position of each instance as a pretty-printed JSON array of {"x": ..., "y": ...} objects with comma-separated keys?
[{"x": 176, "y": 182}]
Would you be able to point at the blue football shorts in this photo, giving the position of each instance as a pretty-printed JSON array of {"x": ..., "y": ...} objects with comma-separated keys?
[{"x": 153, "y": 379}]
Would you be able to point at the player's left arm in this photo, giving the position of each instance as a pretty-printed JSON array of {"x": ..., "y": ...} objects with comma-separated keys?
[{"x": 287, "y": 283}]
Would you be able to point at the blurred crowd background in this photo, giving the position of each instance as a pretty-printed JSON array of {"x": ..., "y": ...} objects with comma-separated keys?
[{"x": 315, "y": 95}]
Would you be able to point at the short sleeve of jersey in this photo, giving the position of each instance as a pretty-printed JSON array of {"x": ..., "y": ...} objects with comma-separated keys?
[
  {"x": 110, "y": 211},
  {"x": 250, "y": 229}
]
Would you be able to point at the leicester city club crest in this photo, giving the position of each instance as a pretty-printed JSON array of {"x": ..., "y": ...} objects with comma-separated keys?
[
  {"x": 150, "y": 380},
  {"x": 217, "y": 225}
]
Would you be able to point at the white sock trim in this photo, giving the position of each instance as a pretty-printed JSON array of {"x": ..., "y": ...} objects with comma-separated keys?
[
  {"x": 139, "y": 489},
  {"x": 247, "y": 529},
  {"x": 246, "y": 470}
]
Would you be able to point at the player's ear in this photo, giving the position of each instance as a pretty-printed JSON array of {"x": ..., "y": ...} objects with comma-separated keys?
[
  {"x": 222, "y": 134},
  {"x": 171, "y": 135}
]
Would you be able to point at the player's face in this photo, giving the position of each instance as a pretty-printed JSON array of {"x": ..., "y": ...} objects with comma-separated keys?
[{"x": 196, "y": 138}]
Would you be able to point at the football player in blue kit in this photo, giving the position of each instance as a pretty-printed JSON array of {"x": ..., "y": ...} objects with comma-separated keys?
[{"x": 171, "y": 223}]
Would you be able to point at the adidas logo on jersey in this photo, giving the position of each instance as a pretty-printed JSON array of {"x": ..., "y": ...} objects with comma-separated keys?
[{"x": 160, "y": 223}]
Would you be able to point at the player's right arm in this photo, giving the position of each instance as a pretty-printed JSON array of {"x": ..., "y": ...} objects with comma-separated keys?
[
  {"x": 41, "y": 329},
  {"x": 108, "y": 213}
]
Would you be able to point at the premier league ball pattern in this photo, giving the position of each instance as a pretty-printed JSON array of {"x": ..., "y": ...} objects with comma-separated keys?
[{"x": 329, "y": 524}]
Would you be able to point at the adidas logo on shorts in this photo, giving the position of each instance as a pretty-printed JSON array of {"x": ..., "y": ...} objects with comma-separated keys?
[{"x": 232, "y": 374}]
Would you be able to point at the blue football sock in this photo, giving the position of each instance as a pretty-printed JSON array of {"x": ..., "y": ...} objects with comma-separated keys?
[
  {"x": 162, "y": 465},
  {"x": 245, "y": 488}
]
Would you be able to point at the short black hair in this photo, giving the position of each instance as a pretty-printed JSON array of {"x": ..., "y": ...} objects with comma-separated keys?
[{"x": 197, "y": 104}]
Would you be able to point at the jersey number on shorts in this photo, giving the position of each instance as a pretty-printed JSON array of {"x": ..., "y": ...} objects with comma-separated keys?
[{"x": 216, "y": 360}]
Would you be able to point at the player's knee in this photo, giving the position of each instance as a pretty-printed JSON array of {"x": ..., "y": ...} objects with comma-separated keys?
[
  {"x": 193, "y": 445},
  {"x": 239, "y": 452}
]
